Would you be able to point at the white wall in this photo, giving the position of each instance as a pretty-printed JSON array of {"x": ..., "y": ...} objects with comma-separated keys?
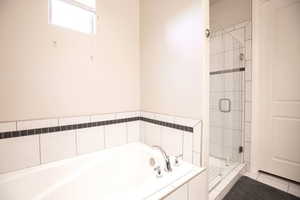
[
  {"x": 39, "y": 80},
  {"x": 172, "y": 51},
  {"x": 226, "y": 13}
]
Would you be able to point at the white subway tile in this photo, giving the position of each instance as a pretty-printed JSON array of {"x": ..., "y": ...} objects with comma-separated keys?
[
  {"x": 7, "y": 126},
  {"x": 58, "y": 146},
  {"x": 142, "y": 131},
  {"x": 152, "y": 134},
  {"x": 229, "y": 59},
  {"x": 90, "y": 140},
  {"x": 188, "y": 147},
  {"x": 164, "y": 118},
  {"x": 103, "y": 117},
  {"x": 228, "y": 42},
  {"x": 197, "y": 159},
  {"x": 239, "y": 36},
  {"x": 248, "y": 112},
  {"x": 217, "y": 83},
  {"x": 33, "y": 124},
  {"x": 173, "y": 148},
  {"x": 115, "y": 135},
  {"x": 74, "y": 120},
  {"x": 186, "y": 121},
  {"x": 248, "y": 91},
  {"x": 19, "y": 153},
  {"x": 216, "y": 118},
  {"x": 233, "y": 120},
  {"x": 247, "y": 152},
  {"x": 148, "y": 115},
  {"x": 133, "y": 129},
  {"x": 247, "y": 131},
  {"x": 197, "y": 136},
  {"x": 216, "y": 135},
  {"x": 123, "y": 115},
  {"x": 248, "y": 49},
  {"x": 248, "y": 73}
]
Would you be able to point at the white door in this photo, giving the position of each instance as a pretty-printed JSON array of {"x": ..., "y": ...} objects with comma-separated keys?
[{"x": 277, "y": 95}]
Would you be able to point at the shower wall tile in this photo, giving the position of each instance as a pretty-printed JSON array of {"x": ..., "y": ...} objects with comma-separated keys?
[
  {"x": 248, "y": 91},
  {"x": 228, "y": 64},
  {"x": 248, "y": 112},
  {"x": 90, "y": 140},
  {"x": 19, "y": 153},
  {"x": 248, "y": 49},
  {"x": 217, "y": 83},
  {"x": 57, "y": 146},
  {"x": 228, "y": 42},
  {"x": 248, "y": 74},
  {"x": 247, "y": 151},
  {"x": 235, "y": 86},
  {"x": 247, "y": 132}
]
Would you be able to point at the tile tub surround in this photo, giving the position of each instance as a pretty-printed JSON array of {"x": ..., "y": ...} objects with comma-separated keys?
[
  {"x": 47, "y": 140},
  {"x": 122, "y": 173},
  {"x": 11, "y": 132},
  {"x": 177, "y": 142}
]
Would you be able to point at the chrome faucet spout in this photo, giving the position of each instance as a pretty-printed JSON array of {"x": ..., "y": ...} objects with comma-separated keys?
[{"x": 165, "y": 156}]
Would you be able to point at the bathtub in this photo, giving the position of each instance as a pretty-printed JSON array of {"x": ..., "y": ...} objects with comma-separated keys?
[{"x": 113, "y": 174}]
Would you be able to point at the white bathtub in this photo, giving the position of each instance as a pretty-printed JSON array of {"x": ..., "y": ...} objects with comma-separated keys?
[{"x": 117, "y": 173}]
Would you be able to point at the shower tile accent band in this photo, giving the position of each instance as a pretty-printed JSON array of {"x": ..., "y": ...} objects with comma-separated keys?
[
  {"x": 20, "y": 133},
  {"x": 228, "y": 71}
]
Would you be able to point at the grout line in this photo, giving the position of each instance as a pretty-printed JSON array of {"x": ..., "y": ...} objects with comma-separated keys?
[{"x": 40, "y": 149}]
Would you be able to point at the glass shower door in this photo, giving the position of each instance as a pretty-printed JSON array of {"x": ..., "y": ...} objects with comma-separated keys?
[{"x": 226, "y": 106}]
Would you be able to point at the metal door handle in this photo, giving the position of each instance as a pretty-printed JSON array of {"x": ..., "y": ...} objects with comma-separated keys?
[{"x": 229, "y": 105}]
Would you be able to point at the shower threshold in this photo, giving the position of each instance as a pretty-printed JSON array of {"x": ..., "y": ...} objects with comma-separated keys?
[{"x": 218, "y": 170}]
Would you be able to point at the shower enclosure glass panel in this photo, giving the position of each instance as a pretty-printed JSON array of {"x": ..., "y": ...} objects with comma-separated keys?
[{"x": 226, "y": 103}]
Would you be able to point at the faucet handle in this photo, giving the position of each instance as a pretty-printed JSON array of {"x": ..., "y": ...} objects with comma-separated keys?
[
  {"x": 177, "y": 159},
  {"x": 158, "y": 171}
]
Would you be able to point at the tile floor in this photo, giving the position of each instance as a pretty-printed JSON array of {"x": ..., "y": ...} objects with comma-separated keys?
[{"x": 278, "y": 183}]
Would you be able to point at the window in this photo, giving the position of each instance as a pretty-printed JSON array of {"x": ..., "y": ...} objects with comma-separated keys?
[{"x": 78, "y": 15}]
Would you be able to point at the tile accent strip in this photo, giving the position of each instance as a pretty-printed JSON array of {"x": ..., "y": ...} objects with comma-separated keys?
[
  {"x": 168, "y": 124},
  {"x": 228, "y": 71},
  {"x": 38, "y": 131}
]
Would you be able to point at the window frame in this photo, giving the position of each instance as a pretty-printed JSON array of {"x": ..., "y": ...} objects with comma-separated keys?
[{"x": 78, "y": 5}]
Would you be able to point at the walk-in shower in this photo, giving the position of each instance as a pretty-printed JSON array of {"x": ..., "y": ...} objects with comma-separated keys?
[{"x": 227, "y": 50}]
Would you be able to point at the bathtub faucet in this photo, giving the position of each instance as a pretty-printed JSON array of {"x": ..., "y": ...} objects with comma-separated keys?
[{"x": 166, "y": 157}]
